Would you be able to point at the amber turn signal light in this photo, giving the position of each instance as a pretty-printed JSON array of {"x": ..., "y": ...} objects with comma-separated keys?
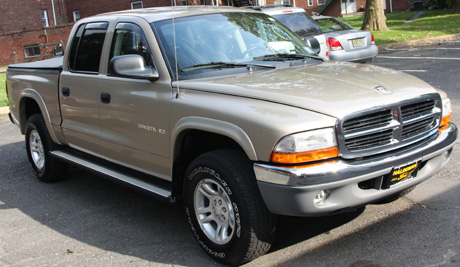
[{"x": 302, "y": 157}]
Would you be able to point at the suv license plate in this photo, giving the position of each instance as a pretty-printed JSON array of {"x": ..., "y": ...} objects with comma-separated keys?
[
  {"x": 401, "y": 174},
  {"x": 357, "y": 42}
]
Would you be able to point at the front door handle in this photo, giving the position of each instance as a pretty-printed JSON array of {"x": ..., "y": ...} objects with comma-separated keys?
[
  {"x": 105, "y": 98},
  {"x": 65, "y": 91}
]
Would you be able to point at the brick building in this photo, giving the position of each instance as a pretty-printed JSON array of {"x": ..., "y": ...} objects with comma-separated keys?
[{"x": 27, "y": 25}]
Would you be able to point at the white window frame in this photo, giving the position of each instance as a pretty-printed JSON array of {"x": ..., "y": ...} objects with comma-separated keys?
[
  {"x": 45, "y": 18},
  {"x": 282, "y": 2},
  {"x": 76, "y": 15},
  {"x": 321, "y": 4},
  {"x": 136, "y": 3},
  {"x": 310, "y": 2}
]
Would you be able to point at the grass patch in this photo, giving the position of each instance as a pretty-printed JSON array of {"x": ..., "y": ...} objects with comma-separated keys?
[
  {"x": 3, "y": 99},
  {"x": 428, "y": 25}
]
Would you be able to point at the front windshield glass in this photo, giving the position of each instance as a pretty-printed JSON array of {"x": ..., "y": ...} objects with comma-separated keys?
[{"x": 203, "y": 43}]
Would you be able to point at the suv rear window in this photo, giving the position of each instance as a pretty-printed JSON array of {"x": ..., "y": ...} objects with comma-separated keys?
[{"x": 300, "y": 23}]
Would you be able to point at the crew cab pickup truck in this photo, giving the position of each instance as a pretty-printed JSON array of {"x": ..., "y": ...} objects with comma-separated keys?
[{"x": 228, "y": 112}]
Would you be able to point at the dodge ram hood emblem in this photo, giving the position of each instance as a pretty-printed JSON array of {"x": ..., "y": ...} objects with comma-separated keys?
[{"x": 381, "y": 89}]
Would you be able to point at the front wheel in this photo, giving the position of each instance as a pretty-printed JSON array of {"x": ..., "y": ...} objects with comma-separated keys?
[
  {"x": 39, "y": 145},
  {"x": 225, "y": 210}
]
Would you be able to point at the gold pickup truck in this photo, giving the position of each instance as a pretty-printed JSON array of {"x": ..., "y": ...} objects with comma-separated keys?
[{"x": 230, "y": 113}]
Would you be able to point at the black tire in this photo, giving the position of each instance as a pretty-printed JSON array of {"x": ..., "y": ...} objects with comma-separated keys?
[
  {"x": 38, "y": 146},
  {"x": 222, "y": 183}
]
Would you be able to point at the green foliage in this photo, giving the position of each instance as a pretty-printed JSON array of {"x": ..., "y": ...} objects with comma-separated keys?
[
  {"x": 432, "y": 23},
  {"x": 3, "y": 100}
]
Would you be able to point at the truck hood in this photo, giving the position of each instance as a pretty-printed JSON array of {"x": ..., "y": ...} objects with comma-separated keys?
[{"x": 332, "y": 88}]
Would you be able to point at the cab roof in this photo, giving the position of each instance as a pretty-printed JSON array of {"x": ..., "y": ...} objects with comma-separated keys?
[{"x": 163, "y": 13}]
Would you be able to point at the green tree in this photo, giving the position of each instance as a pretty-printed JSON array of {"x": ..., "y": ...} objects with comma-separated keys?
[{"x": 374, "y": 17}]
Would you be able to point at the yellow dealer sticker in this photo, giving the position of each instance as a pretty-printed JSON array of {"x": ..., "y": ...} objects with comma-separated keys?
[{"x": 400, "y": 174}]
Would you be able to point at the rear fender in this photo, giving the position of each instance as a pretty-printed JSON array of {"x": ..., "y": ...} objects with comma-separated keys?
[{"x": 33, "y": 95}]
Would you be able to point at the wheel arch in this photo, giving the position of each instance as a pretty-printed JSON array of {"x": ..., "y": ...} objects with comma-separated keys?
[
  {"x": 32, "y": 103},
  {"x": 194, "y": 136}
]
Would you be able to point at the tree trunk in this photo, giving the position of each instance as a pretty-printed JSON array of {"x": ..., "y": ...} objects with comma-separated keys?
[
  {"x": 456, "y": 6},
  {"x": 374, "y": 18}
]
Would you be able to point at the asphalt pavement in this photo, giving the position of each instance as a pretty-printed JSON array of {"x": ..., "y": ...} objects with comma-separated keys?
[{"x": 88, "y": 221}]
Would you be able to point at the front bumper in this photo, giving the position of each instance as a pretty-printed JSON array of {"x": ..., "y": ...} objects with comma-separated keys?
[{"x": 291, "y": 191}]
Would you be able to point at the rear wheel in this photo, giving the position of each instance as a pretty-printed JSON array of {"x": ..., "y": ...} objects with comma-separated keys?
[
  {"x": 39, "y": 145},
  {"x": 225, "y": 210}
]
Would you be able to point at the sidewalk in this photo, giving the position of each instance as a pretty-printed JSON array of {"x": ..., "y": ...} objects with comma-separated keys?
[{"x": 4, "y": 110}]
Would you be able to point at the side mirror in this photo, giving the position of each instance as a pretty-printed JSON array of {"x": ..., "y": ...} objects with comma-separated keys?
[
  {"x": 59, "y": 51},
  {"x": 313, "y": 43},
  {"x": 132, "y": 66}
]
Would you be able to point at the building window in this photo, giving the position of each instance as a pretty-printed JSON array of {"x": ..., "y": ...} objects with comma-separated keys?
[
  {"x": 76, "y": 15},
  {"x": 202, "y": 2},
  {"x": 310, "y": 2},
  {"x": 33, "y": 50},
  {"x": 137, "y": 5},
  {"x": 183, "y": 2},
  {"x": 45, "y": 18},
  {"x": 282, "y": 2},
  {"x": 321, "y": 2}
]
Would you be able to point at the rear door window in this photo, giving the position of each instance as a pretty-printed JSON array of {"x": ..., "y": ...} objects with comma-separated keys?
[{"x": 86, "y": 50}]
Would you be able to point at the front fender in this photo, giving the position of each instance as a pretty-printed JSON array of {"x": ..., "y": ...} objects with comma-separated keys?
[{"x": 223, "y": 128}]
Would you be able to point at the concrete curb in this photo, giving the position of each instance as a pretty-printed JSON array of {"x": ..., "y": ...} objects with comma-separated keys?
[{"x": 426, "y": 41}]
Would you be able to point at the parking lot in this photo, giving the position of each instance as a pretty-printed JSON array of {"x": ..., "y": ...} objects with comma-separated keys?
[{"x": 88, "y": 221}]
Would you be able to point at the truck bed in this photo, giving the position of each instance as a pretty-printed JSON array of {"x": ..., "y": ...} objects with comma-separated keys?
[{"x": 47, "y": 64}]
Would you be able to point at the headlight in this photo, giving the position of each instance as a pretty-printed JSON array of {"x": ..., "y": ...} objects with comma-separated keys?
[
  {"x": 446, "y": 113},
  {"x": 306, "y": 147}
]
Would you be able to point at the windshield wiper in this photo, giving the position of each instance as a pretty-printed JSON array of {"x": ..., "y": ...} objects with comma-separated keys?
[
  {"x": 280, "y": 56},
  {"x": 220, "y": 65}
]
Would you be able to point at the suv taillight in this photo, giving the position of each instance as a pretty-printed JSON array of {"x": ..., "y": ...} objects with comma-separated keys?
[
  {"x": 372, "y": 40},
  {"x": 334, "y": 44}
]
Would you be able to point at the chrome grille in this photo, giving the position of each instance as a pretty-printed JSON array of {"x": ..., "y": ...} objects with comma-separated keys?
[
  {"x": 416, "y": 109},
  {"x": 387, "y": 128},
  {"x": 371, "y": 140},
  {"x": 369, "y": 120}
]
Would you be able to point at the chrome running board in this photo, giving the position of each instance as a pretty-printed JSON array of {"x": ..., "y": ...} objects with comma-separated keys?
[{"x": 115, "y": 175}]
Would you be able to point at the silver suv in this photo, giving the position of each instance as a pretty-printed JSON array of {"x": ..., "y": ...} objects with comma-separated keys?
[{"x": 298, "y": 20}]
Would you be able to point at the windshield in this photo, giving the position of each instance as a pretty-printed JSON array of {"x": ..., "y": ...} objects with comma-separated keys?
[
  {"x": 301, "y": 23},
  {"x": 333, "y": 25},
  {"x": 204, "y": 43}
]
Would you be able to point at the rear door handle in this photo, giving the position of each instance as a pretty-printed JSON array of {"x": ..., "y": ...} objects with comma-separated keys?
[
  {"x": 65, "y": 91},
  {"x": 105, "y": 98}
]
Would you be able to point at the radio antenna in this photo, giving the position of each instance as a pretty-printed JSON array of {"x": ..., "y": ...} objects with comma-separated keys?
[{"x": 173, "y": 3}]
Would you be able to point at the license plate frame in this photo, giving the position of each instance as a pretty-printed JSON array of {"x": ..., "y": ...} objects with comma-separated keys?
[
  {"x": 357, "y": 42},
  {"x": 401, "y": 174}
]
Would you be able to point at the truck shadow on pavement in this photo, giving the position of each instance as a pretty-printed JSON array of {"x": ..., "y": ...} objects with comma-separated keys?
[
  {"x": 99, "y": 213},
  {"x": 96, "y": 219}
]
